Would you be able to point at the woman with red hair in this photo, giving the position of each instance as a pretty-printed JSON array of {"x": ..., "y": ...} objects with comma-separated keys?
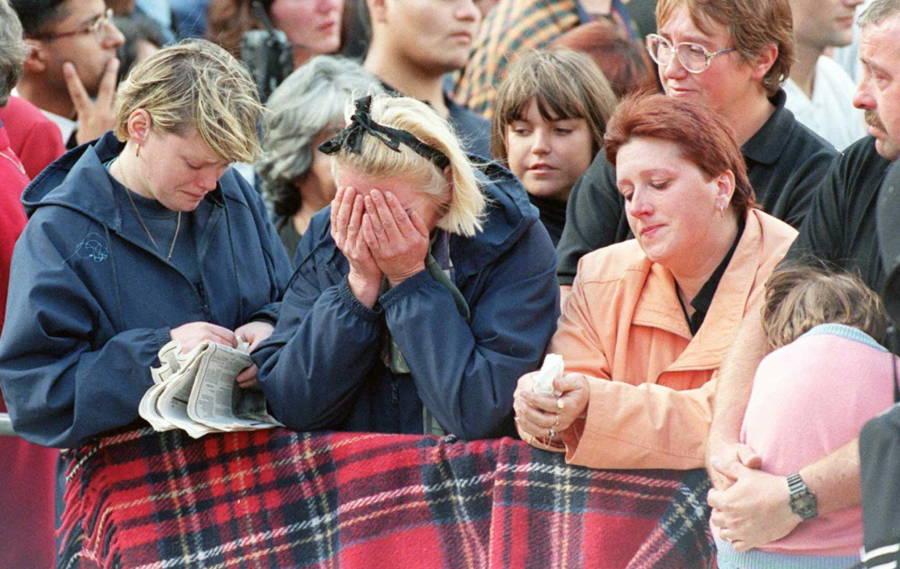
[{"x": 649, "y": 320}]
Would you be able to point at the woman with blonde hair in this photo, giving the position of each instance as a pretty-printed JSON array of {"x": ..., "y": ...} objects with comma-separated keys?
[
  {"x": 138, "y": 239},
  {"x": 421, "y": 294}
]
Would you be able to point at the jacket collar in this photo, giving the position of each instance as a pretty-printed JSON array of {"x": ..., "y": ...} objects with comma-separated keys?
[
  {"x": 508, "y": 216},
  {"x": 659, "y": 306},
  {"x": 767, "y": 144}
]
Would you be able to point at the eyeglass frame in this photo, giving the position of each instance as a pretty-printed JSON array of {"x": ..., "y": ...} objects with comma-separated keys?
[
  {"x": 674, "y": 46},
  {"x": 97, "y": 24}
]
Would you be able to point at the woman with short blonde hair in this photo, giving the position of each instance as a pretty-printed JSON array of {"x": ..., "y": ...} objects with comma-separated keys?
[{"x": 138, "y": 239}]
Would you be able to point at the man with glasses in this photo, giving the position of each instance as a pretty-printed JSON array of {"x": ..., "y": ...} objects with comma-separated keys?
[
  {"x": 70, "y": 71},
  {"x": 733, "y": 57}
]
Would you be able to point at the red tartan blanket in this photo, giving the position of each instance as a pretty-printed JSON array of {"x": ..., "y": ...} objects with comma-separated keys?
[{"x": 279, "y": 499}]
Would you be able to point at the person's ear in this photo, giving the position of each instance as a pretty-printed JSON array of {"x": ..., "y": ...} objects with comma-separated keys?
[
  {"x": 764, "y": 61},
  {"x": 139, "y": 125},
  {"x": 377, "y": 10},
  {"x": 35, "y": 56},
  {"x": 725, "y": 186}
]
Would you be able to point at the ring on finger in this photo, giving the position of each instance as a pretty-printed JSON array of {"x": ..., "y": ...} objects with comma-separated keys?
[
  {"x": 556, "y": 422},
  {"x": 551, "y": 433}
]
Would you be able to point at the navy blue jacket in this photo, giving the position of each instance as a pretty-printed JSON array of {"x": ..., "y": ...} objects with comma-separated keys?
[
  {"x": 322, "y": 368},
  {"x": 89, "y": 307}
]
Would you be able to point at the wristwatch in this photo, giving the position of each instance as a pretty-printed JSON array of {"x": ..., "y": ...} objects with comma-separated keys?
[{"x": 803, "y": 502}]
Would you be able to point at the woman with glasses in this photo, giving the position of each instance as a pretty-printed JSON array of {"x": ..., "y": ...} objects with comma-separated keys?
[
  {"x": 649, "y": 320},
  {"x": 731, "y": 57}
]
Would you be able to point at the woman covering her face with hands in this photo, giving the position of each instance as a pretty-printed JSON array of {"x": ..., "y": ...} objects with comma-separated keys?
[
  {"x": 421, "y": 295},
  {"x": 650, "y": 319}
]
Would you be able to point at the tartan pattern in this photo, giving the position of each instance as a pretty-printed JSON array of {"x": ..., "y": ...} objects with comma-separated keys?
[
  {"x": 512, "y": 27},
  {"x": 279, "y": 499}
]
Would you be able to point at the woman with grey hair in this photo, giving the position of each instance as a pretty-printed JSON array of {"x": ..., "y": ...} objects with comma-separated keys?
[{"x": 307, "y": 109}]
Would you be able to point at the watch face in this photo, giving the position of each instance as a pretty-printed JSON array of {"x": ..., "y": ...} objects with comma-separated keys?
[{"x": 804, "y": 505}]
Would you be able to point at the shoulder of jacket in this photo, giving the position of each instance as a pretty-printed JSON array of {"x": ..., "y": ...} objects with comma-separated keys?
[{"x": 612, "y": 263}]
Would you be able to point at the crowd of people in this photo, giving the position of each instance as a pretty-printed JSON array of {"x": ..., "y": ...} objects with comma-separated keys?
[{"x": 434, "y": 195}]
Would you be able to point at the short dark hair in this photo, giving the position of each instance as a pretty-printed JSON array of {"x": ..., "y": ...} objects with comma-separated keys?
[
  {"x": 703, "y": 136},
  {"x": 35, "y": 15}
]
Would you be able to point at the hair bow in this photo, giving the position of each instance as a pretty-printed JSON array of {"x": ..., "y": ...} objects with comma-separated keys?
[{"x": 361, "y": 124}]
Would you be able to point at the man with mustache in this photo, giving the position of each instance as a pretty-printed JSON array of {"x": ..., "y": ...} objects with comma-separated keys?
[
  {"x": 414, "y": 43},
  {"x": 757, "y": 508}
]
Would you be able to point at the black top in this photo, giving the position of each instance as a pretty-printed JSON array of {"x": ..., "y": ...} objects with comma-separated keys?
[
  {"x": 889, "y": 239},
  {"x": 841, "y": 226},
  {"x": 284, "y": 225},
  {"x": 785, "y": 162},
  {"x": 704, "y": 298},
  {"x": 553, "y": 215}
]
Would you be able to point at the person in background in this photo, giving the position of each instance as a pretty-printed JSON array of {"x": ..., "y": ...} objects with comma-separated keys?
[
  {"x": 143, "y": 38},
  {"x": 33, "y": 137},
  {"x": 141, "y": 238},
  {"x": 71, "y": 68},
  {"x": 548, "y": 124},
  {"x": 312, "y": 27},
  {"x": 622, "y": 59},
  {"x": 414, "y": 44},
  {"x": 513, "y": 28},
  {"x": 421, "y": 294},
  {"x": 819, "y": 91},
  {"x": 823, "y": 327},
  {"x": 650, "y": 319},
  {"x": 28, "y": 472},
  {"x": 304, "y": 111},
  {"x": 732, "y": 57}
]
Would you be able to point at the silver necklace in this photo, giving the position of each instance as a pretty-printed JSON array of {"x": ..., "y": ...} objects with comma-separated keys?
[{"x": 147, "y": 229}]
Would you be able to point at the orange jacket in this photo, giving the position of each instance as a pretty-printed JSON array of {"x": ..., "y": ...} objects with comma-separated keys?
[{"x": 623, "y": 322}]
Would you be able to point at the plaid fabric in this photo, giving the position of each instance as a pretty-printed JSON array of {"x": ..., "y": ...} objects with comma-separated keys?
[
  {"x": 512, "y": 27},
  {"x": 279, "y": 499}
]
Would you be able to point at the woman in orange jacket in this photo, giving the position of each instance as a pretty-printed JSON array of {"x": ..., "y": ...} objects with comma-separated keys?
[{"x": 649, "y": 320}]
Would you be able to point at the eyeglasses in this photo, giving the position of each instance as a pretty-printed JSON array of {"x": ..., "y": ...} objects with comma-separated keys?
[
  {"x": 693, "y": 57},
  {"x": 99, "y": 26}
]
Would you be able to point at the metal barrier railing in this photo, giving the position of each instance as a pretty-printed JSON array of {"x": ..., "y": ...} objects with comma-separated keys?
[{"x": 6, "y": 425}]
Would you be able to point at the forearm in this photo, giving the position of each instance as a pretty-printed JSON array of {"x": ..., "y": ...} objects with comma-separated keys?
[
  {"x": 317, "y": 356},
  {"x": 642, "y": 426},
  {"x": 835, "y": 479},
  {"x": 735, "y": 380},
  {"x": 64, "y": 401}
]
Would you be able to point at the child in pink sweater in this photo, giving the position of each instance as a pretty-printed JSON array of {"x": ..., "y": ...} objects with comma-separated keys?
[{"x": 826, "y": 377}]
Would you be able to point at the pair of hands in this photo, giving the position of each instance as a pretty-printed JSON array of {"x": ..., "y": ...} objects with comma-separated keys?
[
  {"x": 750, "y": 507},
  {"x": 190, "y": 335},
  {"x": 96, "y": 116},
  {"x": 539, "y": 413},
  {"x": 379, "y": 238}
]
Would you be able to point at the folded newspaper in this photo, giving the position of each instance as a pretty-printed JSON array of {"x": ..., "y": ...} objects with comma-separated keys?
[{"x": 197, "y": 392}]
